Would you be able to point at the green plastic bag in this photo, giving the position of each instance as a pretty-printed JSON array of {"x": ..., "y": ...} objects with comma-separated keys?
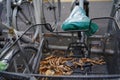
[
  {"x": 3, "y": 66},
  {"x": 79, "y": 21}
]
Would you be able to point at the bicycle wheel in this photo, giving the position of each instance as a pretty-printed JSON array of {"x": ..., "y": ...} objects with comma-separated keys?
[
  {"x": 23, "y": 16},
  {"x": 17, "y": 63},
  {"x": 51, "y": 12}
]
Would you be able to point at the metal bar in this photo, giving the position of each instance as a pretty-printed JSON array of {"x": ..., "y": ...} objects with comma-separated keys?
[
  {"x": 113, "y": 8},
  {"x": 8, "y": 7},
  {"x": 81, "y": 3},
  {"x": 92, "y": 76},
  {"x": 37, "y": 9},
  {"x": 38, "y": 57},
  {"x": 12, "y": 75}
]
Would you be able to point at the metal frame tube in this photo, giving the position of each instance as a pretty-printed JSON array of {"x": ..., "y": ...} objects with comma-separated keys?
[
  {"x": 8, "y": 7},
  {"x": 81, "y": 3},
  {"x": 37, "y": 9}
]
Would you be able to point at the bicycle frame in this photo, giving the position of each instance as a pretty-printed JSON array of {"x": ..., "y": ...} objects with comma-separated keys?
[
  {"x": 81, "y": 3},
  {"x": 38, "y": 17},
  {"x": 9, "y": 12},
  {"x": 17, "y": 2},
  {"x": 114, "y": 7}
]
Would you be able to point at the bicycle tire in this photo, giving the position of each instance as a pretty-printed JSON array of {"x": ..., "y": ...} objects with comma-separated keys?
[
  {"x": 51, "y": 12},
  {"x": 17, "y": 60},
  {"x": 23, "y": 16}
]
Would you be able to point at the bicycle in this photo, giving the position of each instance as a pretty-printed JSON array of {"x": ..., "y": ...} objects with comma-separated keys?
[
  {"x": 81, "y": 45},
  {"x": 19, "y": 12},
  {"x": 23, "y": 14},
  {"x": 27, "y": 18},
  {"x": 17, "y": 56},
  {"x": 83, "y": 4},
  {"x": 116, "y": 10},
  {"x": 77, "y": 77},
  {"x": 15, "y": 48},
  {"x": 51, "y": 12}
]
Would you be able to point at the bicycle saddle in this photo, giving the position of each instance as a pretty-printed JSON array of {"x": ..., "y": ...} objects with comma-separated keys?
[{"x": 78, "y": 20}]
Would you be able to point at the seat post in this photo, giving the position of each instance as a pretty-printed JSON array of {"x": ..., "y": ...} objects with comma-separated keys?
[{"x": 81, "y": 37}]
